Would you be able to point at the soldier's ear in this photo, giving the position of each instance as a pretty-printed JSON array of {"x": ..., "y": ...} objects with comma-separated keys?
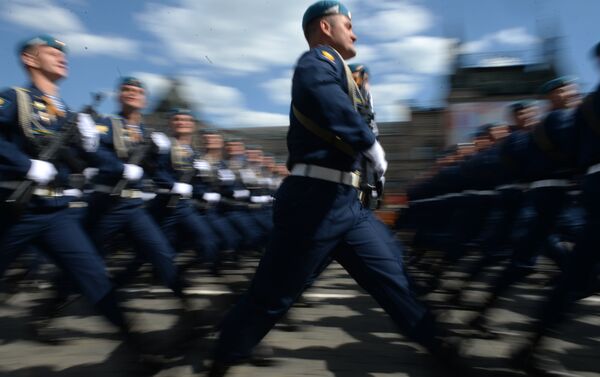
[
  {"x": 325, "y": 26},
  {"x": 29, "y": 58}
]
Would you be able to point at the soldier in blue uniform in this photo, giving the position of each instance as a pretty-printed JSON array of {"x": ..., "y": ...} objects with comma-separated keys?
[
  {"x": 579, "y": 278},
  {"x": 546, "y": 153},
  {"x": 208, "y": 193},
  {"x": 174, "y": 177},
  {"x": 117, "y": 205},
  {"x": 30, "y": 119},
  {"x": 317, "y": 214}
]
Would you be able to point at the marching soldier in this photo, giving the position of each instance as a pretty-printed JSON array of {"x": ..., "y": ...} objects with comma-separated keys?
[
  {"x": 116, "y": 204},
  {"x": 38, "y": 133},
  {"x": 317, "y": 214}
]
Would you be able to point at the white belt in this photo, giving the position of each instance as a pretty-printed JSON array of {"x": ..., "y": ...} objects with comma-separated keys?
[
  {"x": 126, "y": 194},
  {"x": 593, "y": 169},
  {"x": 326, "y": 174},
  {"x": 549, "y": 183},
  {"x": 512, "y": 186},
  {"x": 39, "y": 191},
  {"x": 479, "y": 192}
]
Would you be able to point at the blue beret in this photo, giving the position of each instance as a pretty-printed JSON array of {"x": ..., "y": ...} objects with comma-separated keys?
[
  {"x": 556, "y": 83},
  {"x": 130, "y": 80},
  {"x": 324, "y": 8},
  {"x": 180, "y": 111},
  {"x": 356, "y": 67},
  {"x": 482, "y": 131},
  {"x": 518, "y": 106},
  {"x": 42, "y": 40}
]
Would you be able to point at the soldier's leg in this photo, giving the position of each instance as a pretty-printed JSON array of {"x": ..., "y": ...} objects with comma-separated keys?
[
  {"x": 153, "y": 245},
  {"x": 67, "y": 244},
  {"x": 374, "y": 260},
  {"x": 307, "y": 228},
  {"x": 196, "y": 228}
]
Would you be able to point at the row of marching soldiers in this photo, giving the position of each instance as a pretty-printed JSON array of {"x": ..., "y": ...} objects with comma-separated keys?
[
  {"x": 71, "y": 182},
  {"x": 517, "y": 192}
]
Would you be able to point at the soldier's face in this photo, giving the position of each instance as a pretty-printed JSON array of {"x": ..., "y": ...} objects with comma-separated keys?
[
  {"x": 132, "y": 97},
  {"x": 499, "y": 132},
  {"x": 565, "y": 97},
  {"x": 50, "y": 61},
  {"x": 182, "y": 124},
  {"x": 342, "y": 38}
]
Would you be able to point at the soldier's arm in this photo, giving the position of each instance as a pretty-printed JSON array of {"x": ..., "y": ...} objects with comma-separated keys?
[
  {"x": 321, "y": 79},
  {"x": 105, "y": 158},
  {"x": 13, "y": 161}
]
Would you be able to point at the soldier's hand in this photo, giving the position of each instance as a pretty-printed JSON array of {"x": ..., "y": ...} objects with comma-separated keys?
[
  {"x": 376, "y": 156},
  {"x": 132, "y": 172},
  {"x": 90, "y": 138},
  {"x": 41, "y": 172},
  {"x": 211, "y": 197},
  {"x": 183, "y": 189},
  {"x": 201, "y": 165},
  {"x": 161, "y": 141}
]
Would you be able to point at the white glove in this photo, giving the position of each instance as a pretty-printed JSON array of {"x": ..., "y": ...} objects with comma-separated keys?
[
  {"x": 248, "y": 176},
  {"x": 90, "y": 137},
  {"x": 376, "y": 156},
  {"x": 161, "y": 141},
  {"x": 225, "y": 175},
  {"x": 183, "y": 189},
  {"x": 201, "y": 165},
  {"x": 211, "y": 197},
  {"x": 41, "y": 172},
  {"x": 90, "y": 173},
  {"x": 132, "y": 172},
  {"x": 261, "y": 199},
  {"x": 239, "y": 194},
  {"x": 73, "y": 192}
]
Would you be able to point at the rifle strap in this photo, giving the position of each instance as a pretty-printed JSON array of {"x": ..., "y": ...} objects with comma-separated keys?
[
  {"x": 24, "y": 111},
  {"x": 119, "y": 138},
  {"x": 355, "y": 97},
  {"x": 323, "y": 133}
]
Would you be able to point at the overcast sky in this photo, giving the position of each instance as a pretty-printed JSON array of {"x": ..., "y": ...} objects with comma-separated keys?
[{"x": 235, "y": 57}]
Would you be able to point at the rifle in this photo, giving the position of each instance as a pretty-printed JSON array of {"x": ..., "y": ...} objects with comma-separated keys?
[
  {"x": 97, "y": 98},
  {"x": 187, "y": 177},
  {"x": 22, "y": 194}
]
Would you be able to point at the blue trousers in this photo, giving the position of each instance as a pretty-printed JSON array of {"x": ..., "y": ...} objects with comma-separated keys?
[
  {"x": 229, "y": 238},
  {"x": 185, "y": 223},
  {"x": 316, "y": 222},
  {"x": 62, "y": 238},
  {"x": 109, "y": 216}
]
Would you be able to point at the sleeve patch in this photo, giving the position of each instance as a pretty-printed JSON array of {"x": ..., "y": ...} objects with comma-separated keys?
[{"x": 4, "y": 102}]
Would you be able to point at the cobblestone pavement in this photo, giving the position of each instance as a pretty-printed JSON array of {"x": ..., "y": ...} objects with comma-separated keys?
[{"x": 342, "y": 331}]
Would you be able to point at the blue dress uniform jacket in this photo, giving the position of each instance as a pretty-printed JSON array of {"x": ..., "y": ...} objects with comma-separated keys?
[
  {"x": 320, "y": 92},
  {"x": 106, "y": 159},
  {"x": 316, "y": 221},
  {"x": 16, "y": 149},
  {"x": 182, "y": 222}
]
